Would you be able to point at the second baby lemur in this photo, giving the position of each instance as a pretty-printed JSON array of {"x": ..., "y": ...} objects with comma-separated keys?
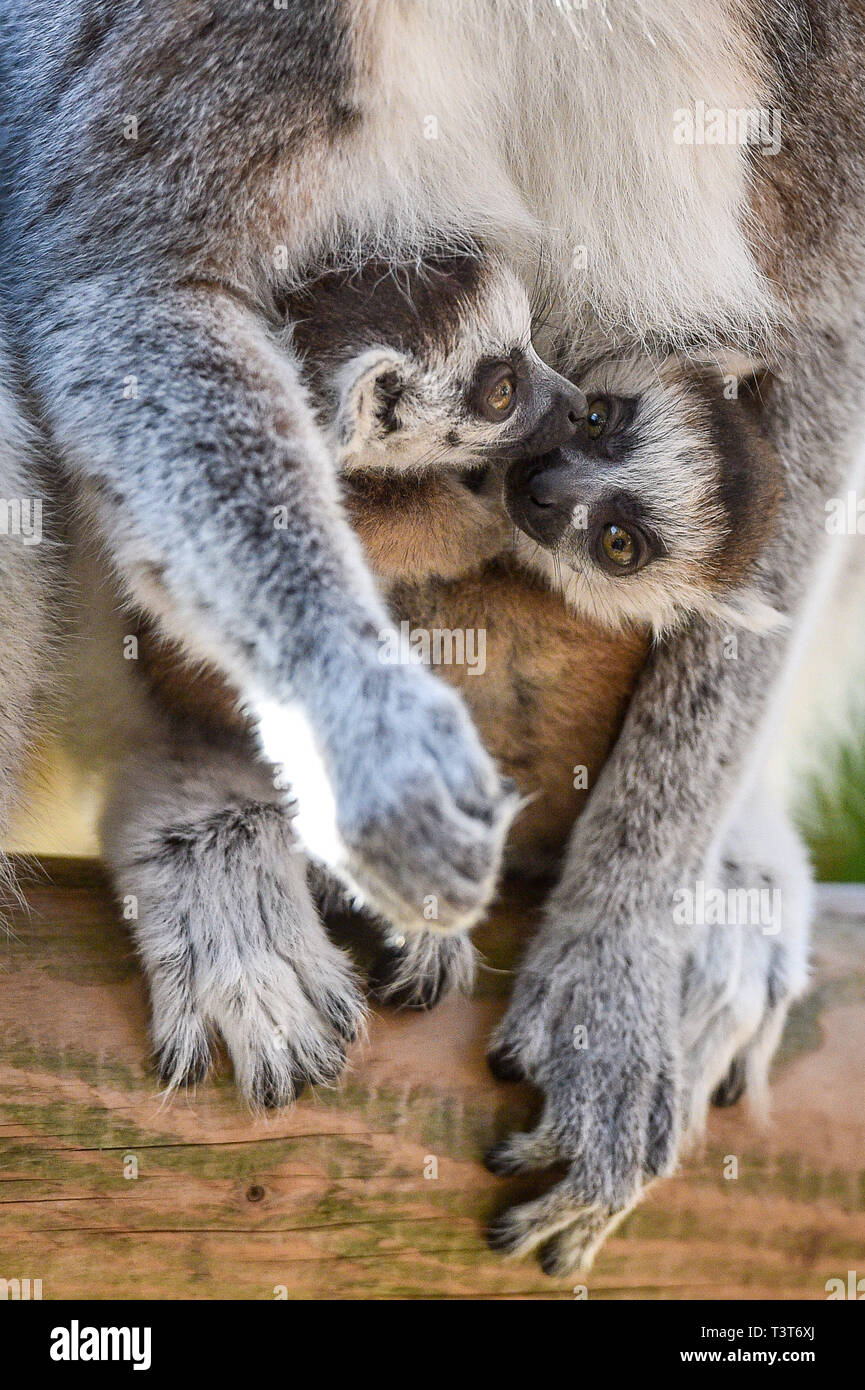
[{"x": 570, "y": 526}]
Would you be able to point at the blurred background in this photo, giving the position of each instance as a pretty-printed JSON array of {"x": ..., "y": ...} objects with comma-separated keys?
[{"x": 831, "y": 812}]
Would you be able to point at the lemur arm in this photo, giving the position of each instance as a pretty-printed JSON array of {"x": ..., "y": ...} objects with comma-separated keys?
[
  {"x": 608, "y": 957},
  {"x": 217, "y": 503}
]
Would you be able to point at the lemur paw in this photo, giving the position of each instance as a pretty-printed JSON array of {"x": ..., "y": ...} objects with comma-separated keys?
[
  {"x": 286, "y": 1030},
  {"x": 406, "y": 807},
  {"x": 427, "y": 820},
  {"x": 601, "y": 1049},
  {"x": 234, "y": 948},
  {"x": 284, "y": 1027},
  {"x": 181, "y": 1042},
  {"x": 282, "y": 1031},
  {"x": 421, "y": 971}
]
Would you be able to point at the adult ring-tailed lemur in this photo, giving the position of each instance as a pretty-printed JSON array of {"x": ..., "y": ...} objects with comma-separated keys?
[{"x": 174, "y": 172}]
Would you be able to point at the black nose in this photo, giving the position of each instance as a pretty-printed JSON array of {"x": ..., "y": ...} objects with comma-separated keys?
[
  {"x": 564, "y": 411},
  {"x": 541, "y": 494},
  {"x": 573, "y": 404},
  {"x": 567, "y": 409}
]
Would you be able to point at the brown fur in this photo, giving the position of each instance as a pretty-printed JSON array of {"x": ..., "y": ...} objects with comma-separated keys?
[
  {"x": 194, "y": 692},
  {"x": 415, "y": 528},
  {"x": 552, "y": 697},
  {"x": 750, "y": 476}
]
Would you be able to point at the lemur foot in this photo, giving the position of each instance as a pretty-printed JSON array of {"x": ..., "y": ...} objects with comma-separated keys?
[
  {"x": 731, "y": 1090},
  {"x": 728, "y": 1049},
  {"x": 740, "y": 978},
  {"x": 232, "y": 942},
  {"x": 609, "y": 1077},
  {"x": 626, "y": 1072},
  {"x": 423, "y": 969}
]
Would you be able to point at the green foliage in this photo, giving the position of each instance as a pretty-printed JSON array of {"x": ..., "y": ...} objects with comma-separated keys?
[{"x": 833, "y": 819}]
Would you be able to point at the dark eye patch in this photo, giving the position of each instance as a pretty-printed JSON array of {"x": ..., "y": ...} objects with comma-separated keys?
[
  {"x": 627, "y": 510},
  {"x": 620, "y": 434},
  {"x": 489, "y": 373}
]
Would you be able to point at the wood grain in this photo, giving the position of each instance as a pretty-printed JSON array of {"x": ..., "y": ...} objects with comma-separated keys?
[{"x": 331, "y": 1200}]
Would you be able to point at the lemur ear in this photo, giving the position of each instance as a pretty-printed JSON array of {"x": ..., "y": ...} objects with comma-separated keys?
[
  {"x": 371, "y": 387},
  {"x": 746, "y": 608}
]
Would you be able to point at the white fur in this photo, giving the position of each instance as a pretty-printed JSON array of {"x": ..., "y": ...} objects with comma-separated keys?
[
  {"x": 562, "y": 138},
  {"x": 289, "y": 743}
]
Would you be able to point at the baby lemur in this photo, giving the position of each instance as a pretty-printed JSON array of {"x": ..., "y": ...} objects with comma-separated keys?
[
  {"x": 567, "y": 524},
  {"x": 647, "y": 516}
]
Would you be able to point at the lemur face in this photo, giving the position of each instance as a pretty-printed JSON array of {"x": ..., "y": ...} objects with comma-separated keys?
[
  {"x": 657, "y": 506},
  {"x": 436, "y": 371}
]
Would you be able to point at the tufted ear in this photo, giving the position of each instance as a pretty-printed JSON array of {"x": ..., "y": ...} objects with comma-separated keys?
[{"x": 371, "y": 388}]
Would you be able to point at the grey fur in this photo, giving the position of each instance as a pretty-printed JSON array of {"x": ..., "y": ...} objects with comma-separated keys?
[
  {"x": 700, "y": 723},
  {"x": 306, "y": 130},
  {"x": 226, "y": 926},
  {"x": 737, "y": 982},
  {"x": 192, "y": 460}
]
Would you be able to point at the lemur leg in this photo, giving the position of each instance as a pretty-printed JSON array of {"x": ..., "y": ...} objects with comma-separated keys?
[
  {"x": 149, "y": 332},
  {"x": 742, "y": 975},
  {"x": 606, "y": 965},
  {"x": 227, "y": 929},
  {"x": 738, "y": 982}
]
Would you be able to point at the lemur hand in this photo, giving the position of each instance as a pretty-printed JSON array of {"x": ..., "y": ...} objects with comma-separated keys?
[
  {"x": 593, "y": 1024},
  {"x": 402, "y": 802}
]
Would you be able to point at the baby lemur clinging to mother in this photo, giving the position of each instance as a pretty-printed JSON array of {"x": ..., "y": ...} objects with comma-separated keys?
[
  {"x": 567, "y": 524},
  {"x": 643, "y": 519}
]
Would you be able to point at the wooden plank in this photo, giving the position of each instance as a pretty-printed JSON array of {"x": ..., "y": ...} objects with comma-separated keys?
[{"x": 331, "y": 1200}]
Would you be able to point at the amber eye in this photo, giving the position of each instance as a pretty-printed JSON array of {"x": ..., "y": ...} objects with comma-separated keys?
[
  {"x": 620, "y": 546},
  {"x": 500, "y": 398},
  {"x": 597, "y": 416},
  {"x": 496, "y": 393}
]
